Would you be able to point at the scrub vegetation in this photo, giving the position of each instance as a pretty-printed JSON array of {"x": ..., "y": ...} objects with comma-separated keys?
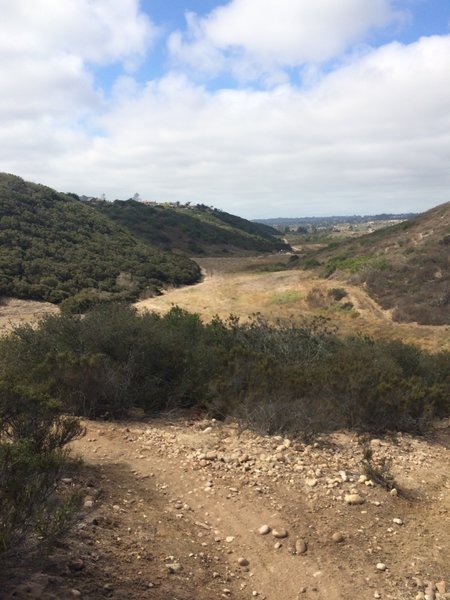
[{"x": 277, "y": 378}]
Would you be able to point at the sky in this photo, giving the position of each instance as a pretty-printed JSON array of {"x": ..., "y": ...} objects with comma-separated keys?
[{"x": 263, "y": 108}]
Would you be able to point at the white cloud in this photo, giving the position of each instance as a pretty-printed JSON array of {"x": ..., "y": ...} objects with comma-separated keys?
[
  {"x": 48, "y": 92},
  {"x": 372, "y": 136},
  {"x": 251, "y": 37},
  {"x": 100, "y": 31}
]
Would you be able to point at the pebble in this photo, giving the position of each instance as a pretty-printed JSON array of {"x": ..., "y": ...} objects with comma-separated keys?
[
  {"x": 77, "y": 564},
  {"x": 381, "y": 566},
  {"x": 394, "y": 492},
  {"x": 174, "y": 567},
  {"x": 279, "y": 533},
  {"x": 441, "y": 587},
  {"x": 75, "y": 593},
  {"x": 353, "y": 499},
  {"x": 337, "y": 537},
  {"x": 301, "y": 547},
  {"x": 311, "y": 482},
  {"x": 243, "y": 562},
  {"x": 397, "y": 521},
  {"x": 264, "y": 530},
  {"x": 229, "y": 539}
]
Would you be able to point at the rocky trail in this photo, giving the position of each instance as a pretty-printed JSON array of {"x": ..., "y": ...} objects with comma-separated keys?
[{"x": 183, "y": 509}]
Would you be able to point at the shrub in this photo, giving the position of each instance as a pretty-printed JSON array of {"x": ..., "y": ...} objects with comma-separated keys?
[
  {"x": 293, "y": 377},
  {"x": 33, "y": 433},
  {"x": 337, "y": 293}
]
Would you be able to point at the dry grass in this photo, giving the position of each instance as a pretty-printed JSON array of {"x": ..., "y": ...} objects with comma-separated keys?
[
  {"x": 15, "y": 312},
  {"x": 229, "y": 288}
]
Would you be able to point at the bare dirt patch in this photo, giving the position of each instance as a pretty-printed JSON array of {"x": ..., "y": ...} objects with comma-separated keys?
[{"x": 172, "y": 505}]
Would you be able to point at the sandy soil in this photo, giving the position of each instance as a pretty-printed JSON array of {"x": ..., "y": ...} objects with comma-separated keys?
[{"x": 170, "y": 506}]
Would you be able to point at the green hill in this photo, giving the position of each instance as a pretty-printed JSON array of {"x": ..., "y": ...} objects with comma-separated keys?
[
  {"x": 193, "y": 230},
  {"x": 53, "y": 247},
  {"x": 405, "y": 267}
]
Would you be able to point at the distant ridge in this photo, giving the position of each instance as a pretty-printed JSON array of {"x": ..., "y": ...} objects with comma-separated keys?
[
  {"x": 195, "y": 230},
  {"x": 336, "y": 219}
]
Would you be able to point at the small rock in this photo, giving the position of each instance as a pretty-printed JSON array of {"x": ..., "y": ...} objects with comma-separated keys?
[
  {"x": 300, "y": 547},
  {"x": 377, "y": 595},
  {"x": 67, "y": 480},
  {"x": 353, "y": 499},
  {"x": 394, "y": 492},
  {"x": 75, "y": 593},
  {"x": 337, "y": 537},
  {"x": 88, "y": 503},
  {"x": 264, "y": 530},
  {"x": 174, "y": 567},
  {"x": 441, "y": 587},
  {"x": 343, "y": 475},
  {"x": 77, "y": 564},
  {"x": 229, "y": 539},
  {"x": 311, "y": 482},
  {"x": 397, "y": 521},
  {"x": 279, "y": 533},
  {"x": 381, "y": 566},
  {"x": 243, "y": 562}
]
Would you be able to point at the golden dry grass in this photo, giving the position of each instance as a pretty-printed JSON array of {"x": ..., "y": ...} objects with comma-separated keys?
[
  {"x": 230, "y": 288},
  {"x": 15, "y": 312}
]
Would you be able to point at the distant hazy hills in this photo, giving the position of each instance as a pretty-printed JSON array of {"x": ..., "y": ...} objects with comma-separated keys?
[
  {"x": 405, "y": 267},
  {"x": 194, "y": 230},
  {"x": 58, "y": 248}
]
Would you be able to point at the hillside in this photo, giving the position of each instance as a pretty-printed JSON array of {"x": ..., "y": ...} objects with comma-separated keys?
[
  {"x": 404, "y": 267},
  {"x": 55, "y": 247},
  {"x": 193, "y": 230}
]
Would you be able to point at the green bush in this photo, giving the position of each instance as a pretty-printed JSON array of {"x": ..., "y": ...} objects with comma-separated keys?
[
  {"x": 287, "y": 376},
  {"x": 33, "y": 433}
]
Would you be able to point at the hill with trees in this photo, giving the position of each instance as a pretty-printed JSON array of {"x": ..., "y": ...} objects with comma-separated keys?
[
  {"x": 194, "y": 230},
  {"x": 59, "y": 249},
  {"x": 406, "y": 267}
]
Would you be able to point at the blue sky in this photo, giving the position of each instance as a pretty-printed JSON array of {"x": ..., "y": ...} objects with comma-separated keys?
[{"x": 260, "y": 107}]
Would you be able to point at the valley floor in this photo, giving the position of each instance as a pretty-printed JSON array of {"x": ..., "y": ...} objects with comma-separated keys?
[{"x": 230, "y": 286}]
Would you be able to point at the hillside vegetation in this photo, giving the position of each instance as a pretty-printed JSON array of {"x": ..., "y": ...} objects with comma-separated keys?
[
  {"x": 194, "y": 230},
  {"x": 57, "y": 248},
  {"x": 406, "y": 268}
]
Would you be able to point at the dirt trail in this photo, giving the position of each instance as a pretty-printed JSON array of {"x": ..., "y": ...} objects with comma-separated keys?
[{"x": 171, "y": 505}]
